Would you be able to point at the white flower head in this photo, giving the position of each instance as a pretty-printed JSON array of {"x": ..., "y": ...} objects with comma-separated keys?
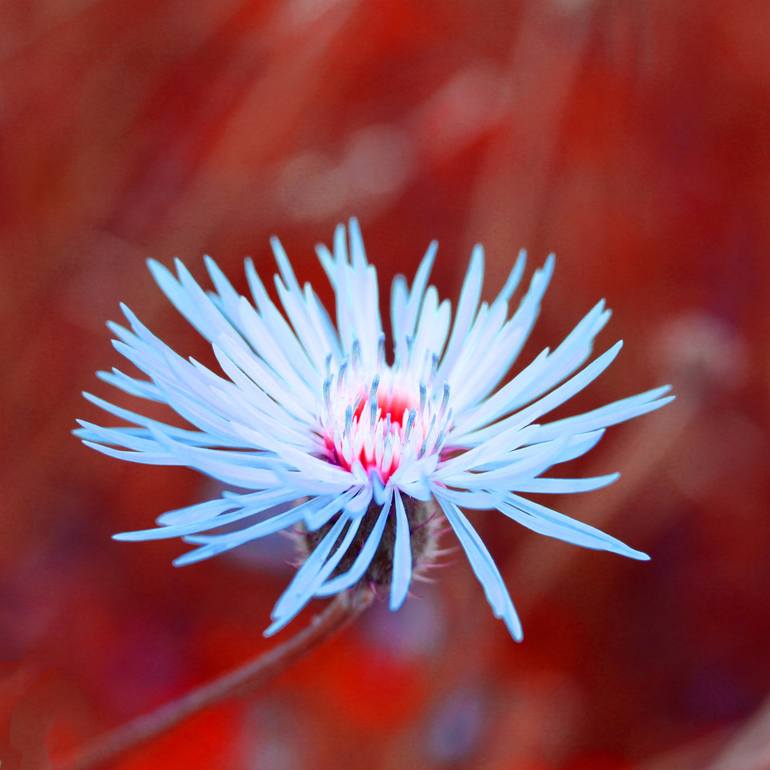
[{"x": 361, "y": 444}]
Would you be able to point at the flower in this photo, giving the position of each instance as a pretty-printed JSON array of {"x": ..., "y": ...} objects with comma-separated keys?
[{"x": 362, "y": 450}]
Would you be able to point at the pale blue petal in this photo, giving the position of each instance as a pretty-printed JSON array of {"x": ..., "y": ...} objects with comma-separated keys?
[
  {"x": 284, "y": 265},
  {"x": 484, "y": 567},
  {"x": 190, "y": 528},
  {"x": 363, "y": 559},
  {"x": 132, "y": 386},
  {"x": 311, "y": 567},
  {"x": 467, "y": 305},
  {"x": 408, "y": 319},
  {"x": 357, "y": 250},
  {"x": 306, "y": 581},
  {"x": 317, "y": 518},
  {"x": 565, "y": 486},
  {"x": 555, "y": 398},
  {"x": 402, "y": 557},
  {"x": 545, "y": 521},
  {"x": 213, "y": 545},
  {"x": 612, "y": 414},
  {"x": 206, "y": 510},
  {"x": 514, "y": 277}
]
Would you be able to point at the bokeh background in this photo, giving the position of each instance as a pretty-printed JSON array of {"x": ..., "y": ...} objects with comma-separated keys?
[{"x": 630, "y": 137}]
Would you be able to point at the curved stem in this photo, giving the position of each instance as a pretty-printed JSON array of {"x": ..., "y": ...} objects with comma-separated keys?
[{"x": 239, "y": 681}]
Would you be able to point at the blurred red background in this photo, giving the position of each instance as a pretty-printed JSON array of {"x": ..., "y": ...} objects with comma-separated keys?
[{"x": 631, "y": 138}]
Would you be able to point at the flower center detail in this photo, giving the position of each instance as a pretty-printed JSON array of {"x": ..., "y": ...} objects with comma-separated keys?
[{"x": 370, "y": 424}]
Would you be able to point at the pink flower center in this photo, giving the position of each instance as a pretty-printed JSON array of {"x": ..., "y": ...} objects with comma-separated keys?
[{"x": 374, "y": 437}]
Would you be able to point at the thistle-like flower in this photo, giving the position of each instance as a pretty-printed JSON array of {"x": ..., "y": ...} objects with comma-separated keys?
[{"x": 361, "y": 447}]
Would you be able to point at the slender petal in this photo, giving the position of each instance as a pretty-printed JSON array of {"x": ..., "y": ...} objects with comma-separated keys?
[
  {"x": 402, "y": 558},
  {"x": 545, "y": 521},
  {"x": 362, "y": 560},
  {"x": 484, "y": 567}
]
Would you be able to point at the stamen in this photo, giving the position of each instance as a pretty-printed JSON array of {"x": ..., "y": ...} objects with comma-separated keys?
[
  {"x": 433, "y": 369},
  {"x": 327, "y": 391},
  {"x": 409, "y": 346},
  {"x": 424, "y": 445},
  {"x": 369, "y": 422},
  {"x": 341, "y": 374},
  {"x": 373, "y": 398},
  {"x": 387, "y": 455},
  {"x": 444, "y": 400},
  {"x": 410, "y": 424}
]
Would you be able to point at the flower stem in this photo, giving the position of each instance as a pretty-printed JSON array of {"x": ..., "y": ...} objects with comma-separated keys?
[{"x": 248, "y": 677}]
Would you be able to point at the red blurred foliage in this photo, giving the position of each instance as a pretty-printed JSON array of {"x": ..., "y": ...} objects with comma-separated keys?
[{"x": 631, "y": 138}]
